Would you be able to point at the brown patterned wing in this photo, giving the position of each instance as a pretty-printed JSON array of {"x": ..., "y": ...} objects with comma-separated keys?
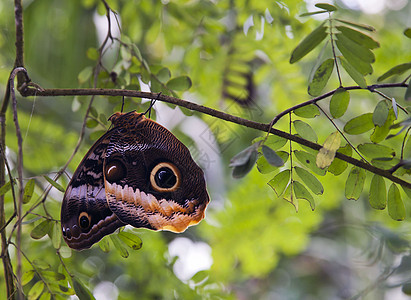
[
  {"x": 85, "y": 215},
  {"x": 151, "y": 180}
]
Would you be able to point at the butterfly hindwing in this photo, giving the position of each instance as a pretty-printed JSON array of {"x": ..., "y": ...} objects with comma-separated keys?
[{"x": 158, "y": 185}]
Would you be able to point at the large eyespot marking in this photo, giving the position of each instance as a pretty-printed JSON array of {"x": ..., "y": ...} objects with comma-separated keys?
[
  {"x": 84, "y": 220},
  {"x": 115, "y": 171},
  {"x": 165, "y": 177}
]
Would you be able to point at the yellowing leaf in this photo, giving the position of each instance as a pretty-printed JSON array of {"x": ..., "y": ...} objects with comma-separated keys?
[{"x": 327, "y": 153}]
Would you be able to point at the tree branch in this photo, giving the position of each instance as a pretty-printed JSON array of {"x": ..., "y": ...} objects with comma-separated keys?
[{"x": 227, "y": 117}]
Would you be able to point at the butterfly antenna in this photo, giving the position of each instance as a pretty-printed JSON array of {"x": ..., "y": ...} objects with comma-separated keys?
[{"x": 153, "y": 101}]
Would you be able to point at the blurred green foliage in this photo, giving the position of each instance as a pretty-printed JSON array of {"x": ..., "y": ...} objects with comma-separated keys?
[{"x": 260, "y": 246}]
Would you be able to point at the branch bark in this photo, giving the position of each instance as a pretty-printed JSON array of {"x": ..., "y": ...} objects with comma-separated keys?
[{"x": 224, "y": 116}]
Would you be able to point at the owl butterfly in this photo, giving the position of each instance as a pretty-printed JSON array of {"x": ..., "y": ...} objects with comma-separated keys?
[{"x": 137, "y": 173}]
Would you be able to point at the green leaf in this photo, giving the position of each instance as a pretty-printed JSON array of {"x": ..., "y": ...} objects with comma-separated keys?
[
  {"x": 308, "y": 160},
  {"x": 309, "y": 43},
  {"x": 52, "y": 275},
  {"x": 55, "y": 235},
  {"x": 81, "y": 291},
  {"x": 396, "y": 208},
  {"x": 305, "y": 131},
  {"x": 310, "y": 181},
  {"x": 164, "y": 75},
  {"x": 397, "y": 70},
  {"x": 327, "y": 153},
  {"x": 244, "y": 161},
  {"x": 363, "y": 67},
  {"x": 354, "y": 74},
  {"x": 119, "y": 246},
  {"x": 380, "y": 133},
  {"x": 104, "y": 244},
  {"x": 309, "y": 111},
  {"x": 314, "y": 13},
  {"x": 376, "y": 150},
  {"x": 338, "y": 166},
  {"x": 301, "y": 192},
  {"x": 358, "y": 37},
  {"x": 95, "y": 135},
  {"x": 27, "y": 277},
  {"x": 407, "y": 32},
  {"x": 264, "y": 167},
  {"x": 85, "y": 74},
  {"x": 36, "y": 290},
  {"x": 41, "y": 264},
  {"x": 54, "y": 183},
  {"x": 378, "y": 193},
  {"x": 360, "y": 51},
  {"x": 41, "y": 229},
  {"x": 360, "y": 124},
  {"x": 273, "y": 141},
  {"x": 5, "y": 188},
  {"x": 354, "y": 183},
  {"x": 45, "y": 296},
  {"x": 357, "y": 25},
  {"x": 407, "y": 95},
  {"x": 91, "y": 123},
  {"x": 92, "y": 53},
  {"x": 130, "y": 239},
  {"x": 321, "y": 77},
  {"x": 380, "y": 115},
  {"x": 280, "y": 181},
  {"x": 180, "y": 83},
  {"x": 339, "y": 102},
  {"x": 326, "y": 6},
  {"x": 28, "y": 191},
  {"x": 271, "y": 156}
]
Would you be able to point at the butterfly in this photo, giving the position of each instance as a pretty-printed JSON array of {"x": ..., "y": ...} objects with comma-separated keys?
[{"x": 137, "y": 173}]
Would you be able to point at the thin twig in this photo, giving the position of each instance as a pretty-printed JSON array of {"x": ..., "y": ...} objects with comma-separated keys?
[{"x": 19, "y": 170}]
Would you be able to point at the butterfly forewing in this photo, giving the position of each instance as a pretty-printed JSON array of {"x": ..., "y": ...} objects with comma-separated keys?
[{"x": 85, "y": 215}]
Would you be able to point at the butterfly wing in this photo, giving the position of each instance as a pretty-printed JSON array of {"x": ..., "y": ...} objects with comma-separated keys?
[
  {"x": 85, "y": 215},
  {"x": 150, "y": 178}
]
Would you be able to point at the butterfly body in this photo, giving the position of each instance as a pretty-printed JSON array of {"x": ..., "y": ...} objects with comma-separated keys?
[{"x": 137, "y": 173}]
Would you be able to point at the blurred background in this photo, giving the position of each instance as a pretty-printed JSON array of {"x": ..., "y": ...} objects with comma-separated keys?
[{"x": 252, "y": 244}]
